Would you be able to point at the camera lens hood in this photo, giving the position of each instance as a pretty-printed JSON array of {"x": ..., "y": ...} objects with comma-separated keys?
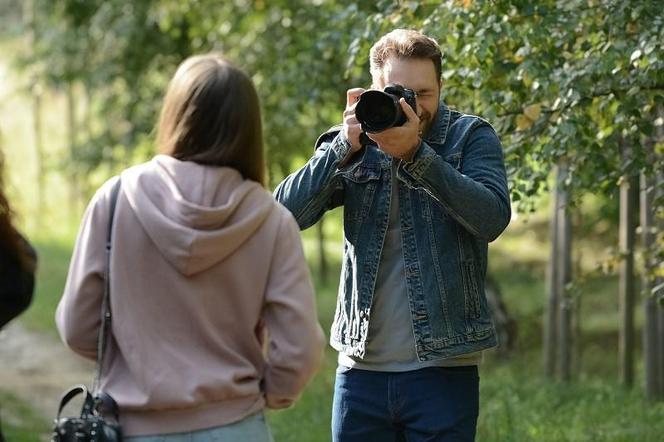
[{"x": 377, "y": 111}]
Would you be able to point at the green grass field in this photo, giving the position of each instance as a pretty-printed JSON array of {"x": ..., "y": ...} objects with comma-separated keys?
[{"x": 517, "y": 403}]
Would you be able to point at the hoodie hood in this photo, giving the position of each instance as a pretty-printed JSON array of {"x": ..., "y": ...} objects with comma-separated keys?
[{"x": 196, "y": 215}]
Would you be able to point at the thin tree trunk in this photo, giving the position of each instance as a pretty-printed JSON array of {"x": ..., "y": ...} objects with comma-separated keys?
[
  {"x": 660, "y": 334},
  {"x": 564, "y": 263},
  {"x": 628, "y": 205},
  {"x": 650, "y": 328},
  {"x": 87, "y": 133},
  {"x": 30, "y": 16},
  {"x": 658, "y": 294},
  {"x": 577, "y": 350},
  {"x": 551, "y": 310},
  {"x": 74, "y": 190}
]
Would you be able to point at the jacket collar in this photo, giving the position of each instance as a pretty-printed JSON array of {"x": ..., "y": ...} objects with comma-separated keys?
[{"x": 438, "y": 131}]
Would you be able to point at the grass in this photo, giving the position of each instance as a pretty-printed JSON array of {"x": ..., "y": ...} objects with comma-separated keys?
[
  {"x": 518, "y": 405},
  {"x": 54, "y": 254},
  {"x": 19, "y": 422}
]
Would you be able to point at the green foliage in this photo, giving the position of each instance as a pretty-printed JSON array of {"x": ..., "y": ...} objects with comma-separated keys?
[
  {"x": 125, "y": 52},
  {"x": 557, "y": 79},
  {"x": 573, "y": 80}
]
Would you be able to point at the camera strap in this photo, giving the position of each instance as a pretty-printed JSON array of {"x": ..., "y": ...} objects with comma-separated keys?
[
  {"x": 105, "y": 304},
  {"x": 73, "y": 392}
]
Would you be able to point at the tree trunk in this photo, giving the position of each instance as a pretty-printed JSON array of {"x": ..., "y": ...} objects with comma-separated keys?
[
  {"x": 628, "y": 205},
  {"x": 551, "y": 310},
  {"x": 577, "y": 350},
  {"x": 564, "y": 263},
  {"x": 506, "y": 326},
  {"x": 659, "y": 295},
  {"x": 650, "y": 328},
  {"x": 72, "y": 167},
  {"x": 87, "y": 133},
  {"x": 660, "y": 334},
  {"x": 655, "y": 295},
  {"x": 30, "y": 16}
]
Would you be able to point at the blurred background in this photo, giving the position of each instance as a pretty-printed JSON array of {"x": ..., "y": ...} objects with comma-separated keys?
[{"x": 574, "y": 88}]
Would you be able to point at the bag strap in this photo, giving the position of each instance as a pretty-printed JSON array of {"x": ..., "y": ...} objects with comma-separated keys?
[
  {"x": 71, "y": 394},
  {"x": 105, "y": 305}
]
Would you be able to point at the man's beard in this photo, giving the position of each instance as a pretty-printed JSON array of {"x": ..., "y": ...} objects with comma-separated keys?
[{"x": 426, "y": 121}]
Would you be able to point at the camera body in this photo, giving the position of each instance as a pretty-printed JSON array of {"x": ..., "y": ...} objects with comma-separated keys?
[
  {"x": 89, "y": 428},
  {"x": 379, "y": 110},
  {"x": 98, "y": 421}
]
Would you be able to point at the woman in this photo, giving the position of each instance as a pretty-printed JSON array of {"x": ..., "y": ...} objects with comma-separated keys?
[{"x": 205, "y": 266}]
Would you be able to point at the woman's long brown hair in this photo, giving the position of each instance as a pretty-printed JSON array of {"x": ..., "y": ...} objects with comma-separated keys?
[
  {"x": 10, "y": 245},
  {"x": 211, "y": 115}
]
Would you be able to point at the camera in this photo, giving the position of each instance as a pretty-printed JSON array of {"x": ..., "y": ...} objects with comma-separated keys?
[
  {"x": 86, "y": 429},
  {"x": 98, "y": 421},
  {"x": 379, "y": 110}
]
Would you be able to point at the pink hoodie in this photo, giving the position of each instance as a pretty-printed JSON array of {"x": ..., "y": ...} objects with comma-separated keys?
[{"x": 200, "y": 259}]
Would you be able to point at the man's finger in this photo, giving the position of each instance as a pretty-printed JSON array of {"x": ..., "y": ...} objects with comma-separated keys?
[
  {"x": 352, "y": 95},
  {"x": 409, "y": 111}
]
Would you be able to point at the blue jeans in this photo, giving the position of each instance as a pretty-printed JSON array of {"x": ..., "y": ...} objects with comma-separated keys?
[
  {"x": 252, "y": 428},
  {"x": 432, "y": 404}
]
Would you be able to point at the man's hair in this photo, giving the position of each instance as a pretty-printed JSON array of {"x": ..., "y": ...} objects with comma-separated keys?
[
  {"x": 211, "y": 115},
  {"x": 404, "y": 43}
]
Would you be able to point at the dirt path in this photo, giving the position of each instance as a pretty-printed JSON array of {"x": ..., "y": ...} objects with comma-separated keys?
[{"x": 37, "y": 368}]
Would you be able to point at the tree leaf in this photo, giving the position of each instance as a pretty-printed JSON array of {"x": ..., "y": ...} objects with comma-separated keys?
[
  {"x": 533, "y": 111},
  {"x": 523, "y": 122}
]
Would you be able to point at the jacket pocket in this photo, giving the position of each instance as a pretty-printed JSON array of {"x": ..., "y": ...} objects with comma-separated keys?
[
  {"x": 360, "y": 187},
  {"x": 362, "y": 173},
  {"x": 472, "y": 296}
]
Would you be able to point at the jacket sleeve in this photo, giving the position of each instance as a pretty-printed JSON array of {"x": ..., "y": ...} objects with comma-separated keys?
[
  {"x": 316, "y": 187},
  {"x": 476, "y": 195},
  {"x": 78, "y": 315},
  {"x": 296, "y": 340}
]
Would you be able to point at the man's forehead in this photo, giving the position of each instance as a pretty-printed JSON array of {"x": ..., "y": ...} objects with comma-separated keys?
[{"x": 414, "y": 73}]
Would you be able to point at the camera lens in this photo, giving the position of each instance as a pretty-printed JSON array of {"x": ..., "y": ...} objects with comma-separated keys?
[{"x": 377, "y": 111}]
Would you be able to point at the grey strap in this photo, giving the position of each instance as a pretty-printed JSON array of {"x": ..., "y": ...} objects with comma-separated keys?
[{"x": 105, "y": 304}]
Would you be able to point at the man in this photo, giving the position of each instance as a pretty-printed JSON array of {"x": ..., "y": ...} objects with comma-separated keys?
[{"x": 421, "y": 202}]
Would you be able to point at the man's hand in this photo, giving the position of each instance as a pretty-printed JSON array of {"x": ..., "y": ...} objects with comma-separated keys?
[
  {"x": 401, "y": 141},
  {"x": 352, "y": 128}
]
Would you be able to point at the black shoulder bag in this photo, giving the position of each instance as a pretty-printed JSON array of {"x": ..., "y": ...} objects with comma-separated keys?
[{"x": 99, "y": 415}]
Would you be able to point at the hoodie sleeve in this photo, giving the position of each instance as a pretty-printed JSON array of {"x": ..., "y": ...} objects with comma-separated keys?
[
  {"x": 296, "y": 340},
  {"x": 78, "y": 315}
]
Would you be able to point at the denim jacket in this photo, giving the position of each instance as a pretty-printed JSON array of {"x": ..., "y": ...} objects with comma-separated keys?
[{"x": 453, "y": 200}]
